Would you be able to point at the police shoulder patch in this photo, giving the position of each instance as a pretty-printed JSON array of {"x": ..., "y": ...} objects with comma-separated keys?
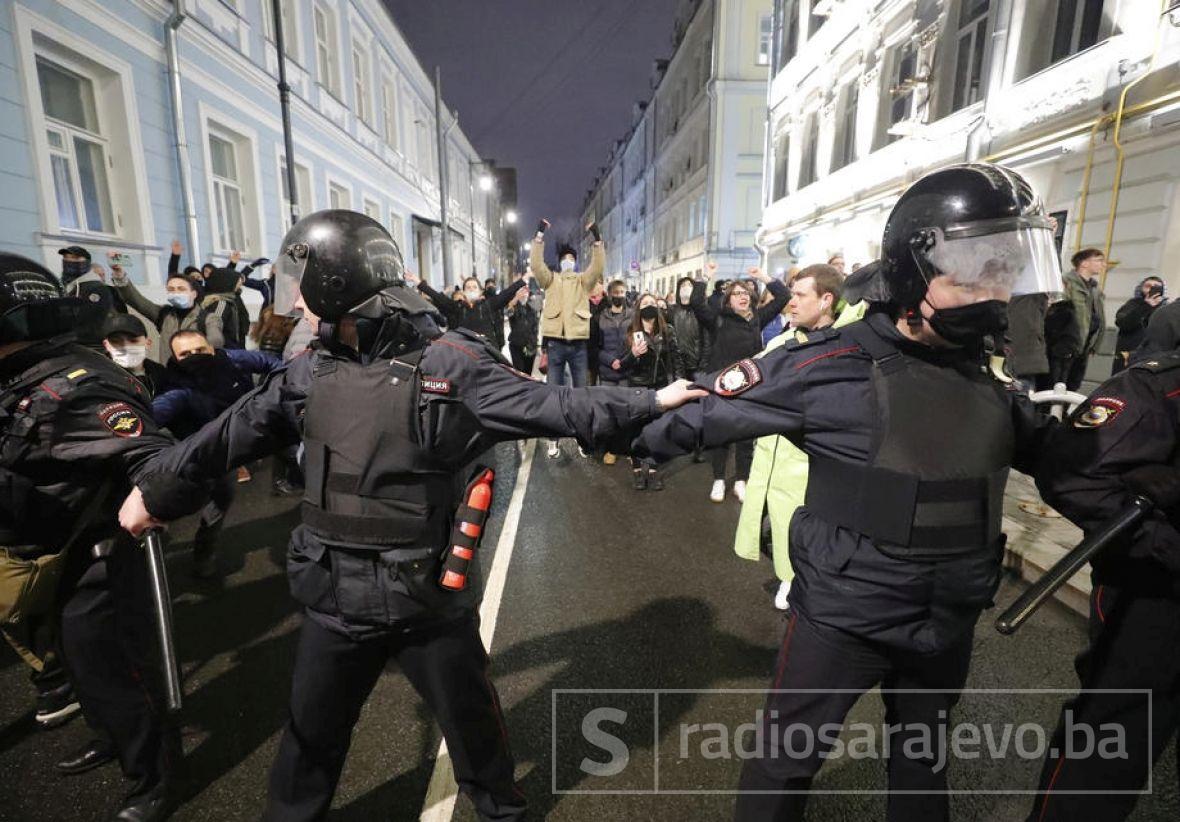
[
  {"x": 1098, "y": 412},
  {"x": 121, "y": 419},
  {"x": 738, "y": 378},
  {"x": 436, "y": 385}
]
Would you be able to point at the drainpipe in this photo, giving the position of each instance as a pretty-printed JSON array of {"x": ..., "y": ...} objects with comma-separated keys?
[
  {"x": 285, "y": 110},
  {"x": 715, "y": 62},
  {"x": 977, "y": 143},
  {"x": 182, "y": 156}
]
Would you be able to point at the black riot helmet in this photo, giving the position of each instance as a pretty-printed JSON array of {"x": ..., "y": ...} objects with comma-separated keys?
[
  {"x": 343, "y": 263},
  {"x": 978, "y": 223},
  {"x": 31, "y": 303}
]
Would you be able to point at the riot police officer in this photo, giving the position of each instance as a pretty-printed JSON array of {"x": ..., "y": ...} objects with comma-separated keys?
[
  {"x": 389, "y": 413},
  {"x": 897, "y": 547},
  {"x": 73, "y": 426},
  {"x": 1125, "y": 439}
]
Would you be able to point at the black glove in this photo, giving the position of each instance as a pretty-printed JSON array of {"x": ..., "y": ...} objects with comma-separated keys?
[
  {"x": 259, "y": 261},
  {"x": 1159, "y": 483},
  {"x": 542, "y": 226},
  {"x": 593, "y": 229}
]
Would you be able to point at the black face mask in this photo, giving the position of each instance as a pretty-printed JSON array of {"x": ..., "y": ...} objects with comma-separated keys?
[
  {"x": 617, "y": 302},
  {"x": 196, "y": 364},
  {"x": 649, "y": 312},
  {"x": 73, "y": 269},
  {"x": 969, "y": 324}
]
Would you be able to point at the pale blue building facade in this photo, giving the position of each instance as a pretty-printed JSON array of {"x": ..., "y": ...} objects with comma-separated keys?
[{"x": 90, "y": 149}]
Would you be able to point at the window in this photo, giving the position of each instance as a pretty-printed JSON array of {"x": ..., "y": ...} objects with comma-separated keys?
[
  {"x": 781, "y": 156},
  {"x": 844, "y": 151},
  {"x": 339, "y": 196},
  {"x": 227, "y": 193},
  {"x": 325, "y": 49},
  {"x": 302, "y": 188},
  {"x": 290, "y": 27},
  {"x": 362, "y": 98},
  {"x": 397, "y": 230},
  {"x": 425, "y": 153},
  {"x": 808, "y": 167},
  {"x": 970, "y": 43},
  {"x": 900, "y": 94},
  {"x": 1077, "y": 27},
  {"x": 814, "y": 21},
  {"x": 77, "y": 149},
  {"x": 789, "y": 32},
  {"x": 389, "y": 105},
  {"x": 373, "y": 210},
  {"x": 765, "y": 38}
]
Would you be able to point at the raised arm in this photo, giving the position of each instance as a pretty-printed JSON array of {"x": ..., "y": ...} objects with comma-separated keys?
[
  {"x": 537, "y": 257},
  {"x": 497, "y": 302},
  {"x": 446, "y": 306},
  {"x": 130, "y": 295},
  {"x": 782, "y": 295}
]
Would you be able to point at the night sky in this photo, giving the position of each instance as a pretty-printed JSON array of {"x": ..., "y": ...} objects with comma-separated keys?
[{"x": 546, "y": 86}]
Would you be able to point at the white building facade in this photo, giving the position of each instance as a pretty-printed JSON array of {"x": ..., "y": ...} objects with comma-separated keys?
[
  {"x": 680, "y": 193},
  {"x": 1080, "y": 96},
  {"x": 98, "y": 117}
]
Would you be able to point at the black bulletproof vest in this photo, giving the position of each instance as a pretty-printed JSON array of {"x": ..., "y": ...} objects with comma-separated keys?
[
  {"x": 933, "y": 486},
  {"x": 370, "y": 483}
]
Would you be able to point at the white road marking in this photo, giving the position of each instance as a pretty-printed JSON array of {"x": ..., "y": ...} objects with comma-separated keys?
[{"x": 440, "y": 795}]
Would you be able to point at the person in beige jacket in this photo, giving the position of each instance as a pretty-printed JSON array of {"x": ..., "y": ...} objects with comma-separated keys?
[{"x": 565, "y": 319}]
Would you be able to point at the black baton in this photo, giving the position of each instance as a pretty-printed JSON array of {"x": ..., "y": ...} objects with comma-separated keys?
[
  {"x": 162, "y": 604},
  {"x": 1060, "y": 572}
]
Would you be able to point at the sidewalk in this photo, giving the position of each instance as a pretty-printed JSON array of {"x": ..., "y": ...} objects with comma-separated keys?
[{"x": 1035, "y": 542}]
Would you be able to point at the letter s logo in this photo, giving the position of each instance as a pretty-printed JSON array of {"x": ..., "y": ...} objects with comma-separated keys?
[{"x": 619, "y": 756}]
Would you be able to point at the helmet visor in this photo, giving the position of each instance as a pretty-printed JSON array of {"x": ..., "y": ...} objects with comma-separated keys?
[
  {"x": 288, "y": 269},
  {"x": 1012, "y": 255}
]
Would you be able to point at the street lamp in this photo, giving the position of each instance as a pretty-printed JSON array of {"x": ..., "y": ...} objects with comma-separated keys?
[
  {"x": 486, "y": 183},
  {"x": 510, "y": 217}
]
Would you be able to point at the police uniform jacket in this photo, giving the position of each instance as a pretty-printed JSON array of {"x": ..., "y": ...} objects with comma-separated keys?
[
  {"x": 1132, "y": 419},
  {"x": 898, "y": 538},
  {"x": 365, "y": 559},
  {"x": 72, "y": 424}
]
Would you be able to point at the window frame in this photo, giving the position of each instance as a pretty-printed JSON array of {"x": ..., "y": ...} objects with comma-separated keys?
[
  {"x": 219, "y": 185},
  {"x": 977, "y": 30},
  {"x": 332, "y": 183},
  {"x": 292, "y": 41},
  {"x": 844, "y": 145},
  {"x": 809, "y": 156},
  {"x": 71, "y": 134},
  {"x": 362, "y": 83},
  {"x": 331, "y": 44},
  {"x": 306, "y": 204},
  {"x": 762, "y": 56}
]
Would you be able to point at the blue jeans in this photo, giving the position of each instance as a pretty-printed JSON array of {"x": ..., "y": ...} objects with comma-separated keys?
[{"x": 571, "y": 353}]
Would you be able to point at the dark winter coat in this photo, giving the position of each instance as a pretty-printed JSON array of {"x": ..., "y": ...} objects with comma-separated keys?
[
  {"x": 691, "y": 337},
  {"x": 480, "y": 317},
  {"x": 611, "y": 342},
  {"x": 734, "y": 336},
  {"x": 661, "y": 364}
]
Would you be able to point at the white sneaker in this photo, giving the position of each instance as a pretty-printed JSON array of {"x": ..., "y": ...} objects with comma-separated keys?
[
  {"x": 554, "y": 449},
  {"x": 583, "y": 453},
  {"x": 718, "y": 492},
  {"x": 780, "y": 599},
  {"x": 739, "y": 490}
]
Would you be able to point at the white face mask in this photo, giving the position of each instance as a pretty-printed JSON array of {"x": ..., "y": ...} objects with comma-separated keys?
[
  {"x": 472, "y": 295},
  {"x": 686, "y": 292},
  {"x": 568, "y": 265},
  {"x": 130, "y": 356},
  {"x": 179, "y": 300}
]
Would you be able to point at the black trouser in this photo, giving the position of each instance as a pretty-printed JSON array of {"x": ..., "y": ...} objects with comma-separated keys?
[
  {"x": 108, "y": 639},
  {"x": 743, "y": 456},
  {"x": 221, "y": 497},
  {"x": 825, "y": 661},
  {"x": 521, "y": 361},
  {"x": 1133, "y": 645},
  {"x": 1076, "y": 372},
  {"x": 333, "y": 676}
]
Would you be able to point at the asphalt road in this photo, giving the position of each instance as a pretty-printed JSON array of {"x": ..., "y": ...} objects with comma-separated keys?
[{"x": 608, "y": 589}]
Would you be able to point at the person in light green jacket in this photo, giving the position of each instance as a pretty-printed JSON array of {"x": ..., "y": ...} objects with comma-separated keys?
[{"x": 778, "y": 475}]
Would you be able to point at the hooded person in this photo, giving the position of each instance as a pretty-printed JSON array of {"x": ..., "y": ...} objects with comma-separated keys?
[
  {"x": 387, "y": 487},
  {"x": 898, "y": 546},
  {"x": 222, "y": 300},
  {"x": 82, "y": 279}
]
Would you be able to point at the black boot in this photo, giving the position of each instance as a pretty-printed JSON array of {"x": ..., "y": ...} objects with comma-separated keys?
[
  {"x": 154, "y": 805},
  {"x": 96, "y": 752},
  {"x": 204, "y": 561},
  {"x": 56, "y": 706},
  {"x": 639, "y": 479},
  {"x": 654, "y": 482}
]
